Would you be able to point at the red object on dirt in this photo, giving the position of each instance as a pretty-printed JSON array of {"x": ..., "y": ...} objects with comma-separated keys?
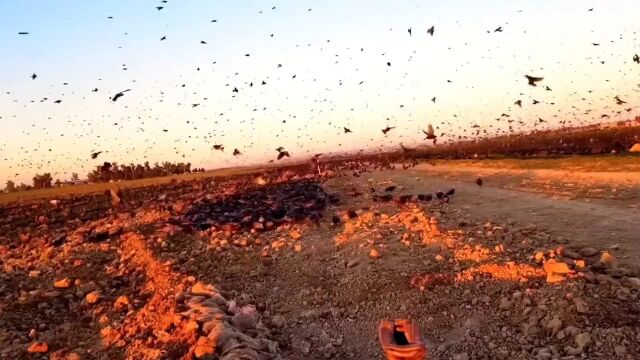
[{"x": 401, "y": 340}]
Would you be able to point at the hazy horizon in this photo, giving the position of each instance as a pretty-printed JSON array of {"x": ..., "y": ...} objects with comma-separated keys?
[{"x": 337, "y": 51}]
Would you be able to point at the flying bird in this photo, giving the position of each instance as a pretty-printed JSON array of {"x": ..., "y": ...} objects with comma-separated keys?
[
  {"x": 533, "y": 80},
  {"x": 498, "y": 29},
  {"x": 236, "y": 152},
  {"x": 346, "y": 130},
  {"x": 518, "y": 102},
  {"x": 430, "y": 30},
  {"x": 479, "y": 181},
  {"x": 430, "y": 133},
  {"x": 218, "y": 147},
  {"x": 409, "y": 30},
  {"x": 119, "y": 95},
  {"x": 387, "y": 129},
  {"x": 636, "y": 58},
  {"x": 34, "y": 76},
  {"x": 619, "y": 101},
  {"x": 23, "y": 33},
  {"x": 94, "y": 155}
]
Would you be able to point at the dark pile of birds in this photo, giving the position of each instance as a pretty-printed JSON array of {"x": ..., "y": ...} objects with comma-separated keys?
[
  {"x": 262, "y": 208},
  {"x": 440, "y": 196}
]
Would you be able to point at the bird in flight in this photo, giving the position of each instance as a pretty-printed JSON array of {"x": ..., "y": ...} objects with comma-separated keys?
[
  {"x": 236, "y": 152},
  {"x": 619, "y": 101},
  {"x": 119, "y": 95},
  {"x": 430, "y": 30},
  {"x": 387, "y": 129},
  {"x": 636, "y": 58},
  {"x": 430, "y": 133},
  {"x": 94, "y": 155},
  {"x": 533, "y": 80},
  {"x": 218, "y": 147},
  {"x": 347, "y": 130},
  {"x": 34, "y": 76}
]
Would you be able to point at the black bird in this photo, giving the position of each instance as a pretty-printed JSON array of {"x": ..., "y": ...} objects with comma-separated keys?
[
  {"x": 119, "y": 95},
  {"x": 34, "y": 76},
  {"x": 235, "y": 90},
  {"x": 498, "y": 29},
  {"x": 535, "y": 102},
  {"x": 388, "y": 63},
  {"x": 352, "y": 214},
  {"x": 430, "y": 30},
  {"x": 547, "y": 88},
  {"x": 218, "y": 147},
  {"x": 203, "y": 42},
  {"x": 390, "y": 188},
  {"x": 433, "y": 99},
  {"x": 163, "y": 38},
  {"x": 159, "y": 7},
  {"x": 57, "y": 101},
  {"x": 518, "y": 102},
  {"x": 619, "y": 101},
  {"x": 451, "y": 192},
  {"x": 282, "y": 153},
  {"x": 439, "y": 195},
  {"x": 95, "y": 90},
  {"x": 335, "y": 220},
  {"x": 409, "y": 31},
  {"x": 94, "y": 155},
  {"x": 263, "y": 82},
  {"x": 346, "y": 130},
  {"x": 23, "y": 33},
  {"x": 479, "y": 181},
  {"x": 387, "y": 129},
  {"x": 236, "y": 152},
  {"x": 533, "y": 80},
  {"x": 636, "y": 58}
]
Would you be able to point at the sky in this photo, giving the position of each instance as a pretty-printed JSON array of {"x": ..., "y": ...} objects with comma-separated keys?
[{"x": 326, "y": 65}]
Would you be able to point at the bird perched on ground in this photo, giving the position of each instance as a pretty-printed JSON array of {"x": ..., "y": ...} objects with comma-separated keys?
[
  {"x": 352, "y": 214},
  {"x": 479, "y": 181},
  {"x": 533, "y": 80},
  {"x": 451, "y": 192},
  {"x": 439, "y": 195},
  {"x": 335, "y": 220}
]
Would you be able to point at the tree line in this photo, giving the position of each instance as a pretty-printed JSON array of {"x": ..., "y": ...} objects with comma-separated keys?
[{"x": 108, "y": 172}]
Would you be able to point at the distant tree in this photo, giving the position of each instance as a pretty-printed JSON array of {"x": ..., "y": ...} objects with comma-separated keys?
[
  {"x": 11, "y": 186},
  {"x": 75, "y": 177},
  {"x": 42, "y": 181},
  {"x": 58, "y": 183},
  {"x": 23, "y": 187}
]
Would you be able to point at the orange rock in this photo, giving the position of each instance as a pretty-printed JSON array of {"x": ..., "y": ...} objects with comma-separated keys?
[
  {"x": 556, "y": 271},
  {"x": 38, "y": 347},
  {"x": 374, "y": 254},
  {"x": 62, "y": 284},
  {"x": 121, "y": 302},
  {"x": 295, "y": 234},
  {"x": 92, "y": 297},
  {"x": 204, "y": 347},
  {"x": 608, "y": 259},
  {"x": 580, "y": 264}
]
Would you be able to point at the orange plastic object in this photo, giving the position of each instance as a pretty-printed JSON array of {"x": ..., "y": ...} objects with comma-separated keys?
[{"x": 401, "y": 340}]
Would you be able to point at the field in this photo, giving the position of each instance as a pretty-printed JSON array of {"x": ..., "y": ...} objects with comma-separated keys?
[{"x": 539, "y": 262}]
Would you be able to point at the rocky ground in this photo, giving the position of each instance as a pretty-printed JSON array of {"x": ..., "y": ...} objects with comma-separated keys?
[{"x": 302, "y": 268}]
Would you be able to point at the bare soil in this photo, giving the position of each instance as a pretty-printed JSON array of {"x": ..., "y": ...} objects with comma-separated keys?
[{"x": 498, "y": 272}]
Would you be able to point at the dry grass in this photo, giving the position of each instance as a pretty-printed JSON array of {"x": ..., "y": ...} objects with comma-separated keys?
[
  {"x": 101, "y": 187},
  {"x": 617, "y": 163}
]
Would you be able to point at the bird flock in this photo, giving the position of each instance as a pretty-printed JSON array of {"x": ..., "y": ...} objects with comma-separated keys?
[{"x": 208, "y": 120}]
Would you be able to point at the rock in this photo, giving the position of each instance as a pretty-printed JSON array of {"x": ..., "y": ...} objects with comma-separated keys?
[
  {"x": 245, "y": 318},
  {"x": 505, "y": 304},
  {"x": 556, "y": 271},
  {"x": 581, "y": 305},
  {"x": 278, "y": 321},
  {"x": 583, "y": 340},
  {"x": 554, "y": 325},
  {"x": 634, "y": 282},
  {"x": 204, "y": 347},
  {"x": 201, "y": 289},
  {"x": 588, "y": 252},
  {"x": 302, "y": 347},
  {"x": 121, "y": 302},
  {"x": 461, "y": 356},
  {"x": 92, "y": 297},
  {"x": 620, "y": 350},
  {"x": 38, "y": 347},
  {"x": 353, "y": 263},
  {"x": 608, "y": 260},
  {"x": 62, "y": 284}
]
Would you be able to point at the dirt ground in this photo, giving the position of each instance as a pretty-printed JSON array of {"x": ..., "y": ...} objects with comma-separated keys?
[{"x": 522, "y": 267}]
